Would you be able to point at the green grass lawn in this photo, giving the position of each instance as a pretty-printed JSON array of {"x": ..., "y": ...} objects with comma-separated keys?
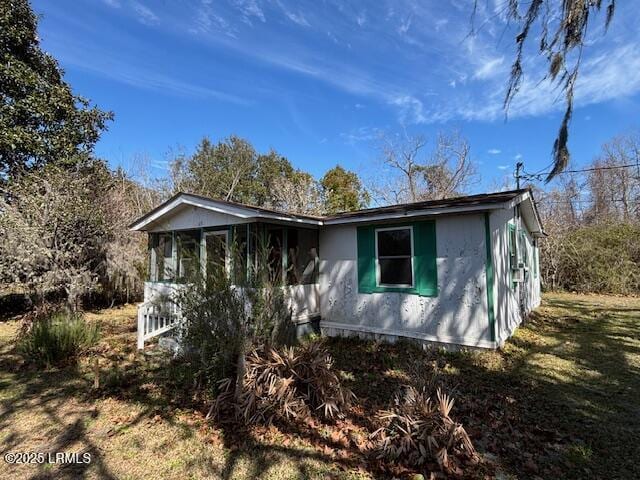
[{"x": 561, "y": 400}]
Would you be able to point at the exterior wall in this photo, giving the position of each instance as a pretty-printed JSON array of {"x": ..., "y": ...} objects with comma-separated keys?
[
  {"x": 304, "y": 301},
  {"x": 513, "y": 302},
  {"x": 189, "y": 217},
  {"x": 457, "y": 315}
]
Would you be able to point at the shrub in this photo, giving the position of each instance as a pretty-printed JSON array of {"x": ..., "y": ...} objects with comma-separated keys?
[
  {"x": 58, "y": 339},
  {"x": 600, "y": 258},
  {"x": 213, "y": 330},
  {"x": 419, "y": 431},
  {"x": 286, "y": 383},
  {"x": 223, "y": 321}
]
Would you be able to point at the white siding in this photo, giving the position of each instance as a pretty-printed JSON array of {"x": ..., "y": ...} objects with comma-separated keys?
[
  {"x": 513, "y": 302},
  {"x": 457, "y": 315},
  {"x": 189, "y": 216}
]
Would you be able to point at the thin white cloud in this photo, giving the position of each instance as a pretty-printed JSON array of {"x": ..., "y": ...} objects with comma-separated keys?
[
  {"x": 503, "y": 167},
  {"x": 144, "y": 14},
  {"x": 208, "y": 21},
  {"x": 411, "y": 109},
  {"x": 250, "y": 9},
  {"x": 361, "y": 134},
  {"x": 400, "y": 66},
  {"x": 489, "y": 69},
  {"x": 113, "y": 3},
  {"x": 101, "y": 63},
  {"x": 494, "y": 151},
  {"x": 441, "y": 23},
  {"x": 405, "y": 25},
  {"x": 517, "y": 157},
  {"x": 295, "y": 16}
]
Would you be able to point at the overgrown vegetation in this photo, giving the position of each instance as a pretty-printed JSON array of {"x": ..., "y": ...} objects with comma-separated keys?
[
  {"x": 58, "y": 339},
  {"x": 64, "y": 232},
  {"x": 600, "y": 258},
  {"x": 227, "y": 314},
  {"x": 593, "y": 219}
]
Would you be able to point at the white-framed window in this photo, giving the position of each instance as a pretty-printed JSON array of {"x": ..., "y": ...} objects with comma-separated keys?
[{"x": 394, "y": 257}]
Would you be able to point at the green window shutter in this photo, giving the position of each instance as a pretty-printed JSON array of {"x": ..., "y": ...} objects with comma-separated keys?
[
  {"x": 425, "y": 266},
  {"x": 366, "y": 260}
]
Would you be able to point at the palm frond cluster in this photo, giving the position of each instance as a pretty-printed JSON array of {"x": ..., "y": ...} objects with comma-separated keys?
[
  {"x": 286, "y": 383},
  {"x": 419, "y": 431}
]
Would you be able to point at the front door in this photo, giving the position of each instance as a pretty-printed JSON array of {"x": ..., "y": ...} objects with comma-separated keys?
[{"x": 215, "y": 254}]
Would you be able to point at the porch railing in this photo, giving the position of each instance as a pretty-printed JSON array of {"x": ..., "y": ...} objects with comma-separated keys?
[{"x": 155, "y": 319}]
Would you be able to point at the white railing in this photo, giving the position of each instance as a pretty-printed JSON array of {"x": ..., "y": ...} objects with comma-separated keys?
[{"x": 154, "y": 319}]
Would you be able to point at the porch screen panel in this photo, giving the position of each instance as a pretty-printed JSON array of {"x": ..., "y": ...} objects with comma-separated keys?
[
  {"x": 161, "y": 257},
  {"x": 216, "y": 254},
  {"x": 302, "y": 256},
  {"x": 239, "y": 253},
  {"x": 188, "y": 244}
]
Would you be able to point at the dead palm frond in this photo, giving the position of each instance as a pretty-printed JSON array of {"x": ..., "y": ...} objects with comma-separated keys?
[
  {"x": 418, "y": 430},
  {"x": 287, "y": 383}
]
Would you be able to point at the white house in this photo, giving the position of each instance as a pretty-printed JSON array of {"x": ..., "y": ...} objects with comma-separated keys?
[{"x": 461, "y": 271}]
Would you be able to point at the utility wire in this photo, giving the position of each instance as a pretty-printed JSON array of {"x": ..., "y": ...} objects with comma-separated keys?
[{"x": 530, "y": 176}]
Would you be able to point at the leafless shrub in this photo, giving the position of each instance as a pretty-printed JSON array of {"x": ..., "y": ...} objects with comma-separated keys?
[
  {"x": 419, "y": 431},
  {"x": 287, "y": 383}
]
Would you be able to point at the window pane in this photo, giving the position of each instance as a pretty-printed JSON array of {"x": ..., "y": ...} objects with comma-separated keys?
[
  {"x": 395, "y": 271},
  {"x": 394, "y": 242}
]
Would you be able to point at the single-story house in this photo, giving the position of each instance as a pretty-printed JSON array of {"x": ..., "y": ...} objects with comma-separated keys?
[{"x": 462, "y": 271}]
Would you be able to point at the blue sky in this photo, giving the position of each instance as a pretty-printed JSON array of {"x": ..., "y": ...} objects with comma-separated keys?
[{"x": 318, "y": 80}]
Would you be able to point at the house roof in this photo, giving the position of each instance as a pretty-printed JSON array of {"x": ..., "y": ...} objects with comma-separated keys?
[
  {"x": 482, "y": 199},
  {"x": 469, "y": 203},
  {"x": 240, "y": 210}
]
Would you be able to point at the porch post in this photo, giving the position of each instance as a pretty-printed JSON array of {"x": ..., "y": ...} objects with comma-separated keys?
[
  {"x": 174, "y": 255},
  {"x": 285, "y": 255},
  {"x": 140, "y": 327}
]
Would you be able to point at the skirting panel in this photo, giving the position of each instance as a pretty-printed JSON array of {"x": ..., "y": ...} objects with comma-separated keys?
[{"x": 332, "y": 329}]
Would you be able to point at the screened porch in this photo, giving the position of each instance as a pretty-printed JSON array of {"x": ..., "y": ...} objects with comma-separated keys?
[{"x": 289, "y": 254}]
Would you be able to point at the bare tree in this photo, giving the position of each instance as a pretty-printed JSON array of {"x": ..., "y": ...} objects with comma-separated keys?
[
  {"x": 416, "y": 174},
  {"x": 614, "y": 187},
  {"x": 451, "y": 171},
  {"x": 298, "y": 193}
]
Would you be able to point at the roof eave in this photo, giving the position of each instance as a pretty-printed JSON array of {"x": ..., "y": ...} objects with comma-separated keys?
[
  {"x": 415, "y": 213},
  {"x": 243, "y": 212}
]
